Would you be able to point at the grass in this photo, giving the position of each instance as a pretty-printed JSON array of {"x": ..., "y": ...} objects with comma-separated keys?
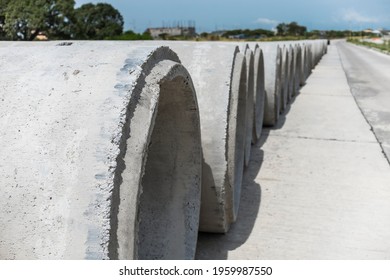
[{"x": 385, "y": 47}]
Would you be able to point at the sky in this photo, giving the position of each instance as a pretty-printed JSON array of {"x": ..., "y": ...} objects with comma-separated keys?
[{"x": 211, "y": 15}]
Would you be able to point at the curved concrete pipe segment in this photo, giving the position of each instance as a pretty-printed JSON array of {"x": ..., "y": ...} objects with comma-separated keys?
[
  {"x": 291, "y": 72},
  {"x": 272, "y": 54},
  {"x": 258, "y": 92},
  {"x": 250, "y": 99},
  {"x": 100, "y": 152},
  {"x": 219, "y": 74},
  {"x": 259, "y": 97},
  {"x": 285, "y": 80},
  {"x": 298, "y": 68},
  {"x": 309, "y": 60},
  {"x": 302, "y": 64},
  {"x": 318, "y": 50}
]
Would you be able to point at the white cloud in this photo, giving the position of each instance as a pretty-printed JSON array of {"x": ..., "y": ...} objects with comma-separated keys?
[
  {"x": 355, "y": 17},
  {"x": 267, "y": 21}
]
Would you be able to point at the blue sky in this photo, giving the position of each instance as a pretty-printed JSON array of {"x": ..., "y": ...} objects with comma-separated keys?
[{"x": 210, "y": 15}]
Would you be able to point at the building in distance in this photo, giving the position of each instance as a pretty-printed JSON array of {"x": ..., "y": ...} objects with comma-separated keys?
[{"x": 164, "y": 32}]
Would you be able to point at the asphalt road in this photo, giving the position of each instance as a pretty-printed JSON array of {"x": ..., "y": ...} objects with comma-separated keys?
[
  {"x": 318, "y": 184},
  {"x": 368, "y": 73}
]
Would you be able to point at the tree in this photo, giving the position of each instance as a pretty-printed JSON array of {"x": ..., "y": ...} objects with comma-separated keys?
[
  {"x": 131, "y": 35},
  {"x": 98, "y": 21},
  {"x": 25, "y": 19},
  {"x": 254, "y": 34},
  {"x": 295, "y": 29},
  {"x": 282, "y": 29},
  {"x": 290, "y": 29},
  {"x": 3, "y": 5}
]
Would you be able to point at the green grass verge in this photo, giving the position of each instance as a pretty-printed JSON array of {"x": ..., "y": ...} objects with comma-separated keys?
[{"x": 385, "y": 47}]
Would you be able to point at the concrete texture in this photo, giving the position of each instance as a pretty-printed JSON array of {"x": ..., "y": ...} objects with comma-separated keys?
[
  {"x": 250, "y": 99},
  {"x": 304, "y": 64},
  {"x": 285, "y": 85},
  {"x": 220, "y": 79},
  {"x": 298, "y": 69},
  {"x": 258, "y": 87},
  {"x": 117, "y": 126},
  {"x": 259, "y": 98},
  {"x": 309, "y": 60},
  {"x": 317, "y": 183},
  {"x": 291, "y": 72},
  {"x": 86, "y": 130},
  {"x": 272, "y": 81}
]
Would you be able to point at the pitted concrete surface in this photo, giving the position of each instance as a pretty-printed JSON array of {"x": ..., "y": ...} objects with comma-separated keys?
[
  {"x": 317, "y": 186},
  {"x": 84, "y": 127}
]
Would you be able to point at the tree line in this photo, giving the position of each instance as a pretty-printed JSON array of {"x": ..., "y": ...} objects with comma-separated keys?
[
  {"x": 58, "y": 20},
  {"x": 283, "y": 31}
]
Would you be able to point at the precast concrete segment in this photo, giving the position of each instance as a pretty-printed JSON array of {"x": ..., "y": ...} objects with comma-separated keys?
[
  {"x": 304, "y": 64},
  {"x": 312, "y": 58},
  {"x": 86, "y": 130},
  {"x": 219, "y": 74},
  {"x": 291, "y": 72},
  {"x": 236, "y": 144},
  {"x": 259, "y": 95},
  {"x": 317, "y": 51},
  {"x": 272, "y": 80},
  {"x": 285, "y": 78},
  {"x": 259, "y": 91},
  {"x": 329, "y": 198},
  {"x": 298, "y": 68},
  {"x": 309, "y": 60},
  {"x": 250, "y": 70},
  {"x": 320, "y": 49},
  {"x": 168, "y": 205}
]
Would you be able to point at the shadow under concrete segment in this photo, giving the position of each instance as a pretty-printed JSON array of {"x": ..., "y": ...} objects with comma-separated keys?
[{"x": 214, "y": 246}]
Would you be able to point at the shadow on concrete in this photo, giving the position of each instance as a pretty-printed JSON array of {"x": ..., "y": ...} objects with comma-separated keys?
[{"x": 214, "y": 246}]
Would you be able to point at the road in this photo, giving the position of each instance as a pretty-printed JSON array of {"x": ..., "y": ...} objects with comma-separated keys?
[
  {"x": 318, "y": 184},
  {"x": 368, "y": 73}
]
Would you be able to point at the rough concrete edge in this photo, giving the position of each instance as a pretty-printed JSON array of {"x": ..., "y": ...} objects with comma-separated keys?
[
  {"x": 160, "y": 53},
  {"x": 237, "y": 77},
  {"x": 250, "y": 68}
]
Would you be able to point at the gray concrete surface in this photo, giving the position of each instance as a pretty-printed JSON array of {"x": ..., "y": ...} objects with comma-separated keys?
[
  {"x": 250, "y": 101},
  {"x": 317, "y": 186},
  {"x": 286, "y": 71},
  {"x": 259, "y": 98},
  {"x": 368, "y": 73},
  {"x": 298, "y": 69},
  {"x": 86, "y": 131},
  {"x": 272, "y": 81},
  {"x": 219, "y": 74}
]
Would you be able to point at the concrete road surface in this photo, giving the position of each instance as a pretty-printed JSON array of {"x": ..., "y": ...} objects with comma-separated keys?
[
  {"x": 368, "y": 73},
  {"x": 318, "y": 185}
]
